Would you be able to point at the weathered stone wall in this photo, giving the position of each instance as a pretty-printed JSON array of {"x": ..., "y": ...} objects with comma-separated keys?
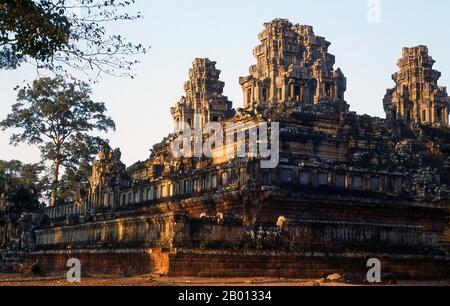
[
  {"x": 239, "y": 263},
  {"x": 152, "y": 231},
  {"x": 333, "y": 234},
  {"x": 298, "y": 265},
  {"x": 148, "y": 231},
  {"x": 122, "y": 262}
]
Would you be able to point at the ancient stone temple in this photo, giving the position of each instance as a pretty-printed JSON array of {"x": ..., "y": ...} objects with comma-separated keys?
[
  {"x": 345, "y": 188},
  {"x": 204, "y": 97},
  {"x": 6, "y": 224},
  {"x": 293, "y": 66},
  {"x": 108, "y": 177},
  {"x": 417, "y": 96},
  {"x": 20, "y": 216}
]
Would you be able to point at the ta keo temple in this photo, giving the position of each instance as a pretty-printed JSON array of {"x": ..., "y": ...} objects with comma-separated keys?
[{"x": 347, "y": 188}]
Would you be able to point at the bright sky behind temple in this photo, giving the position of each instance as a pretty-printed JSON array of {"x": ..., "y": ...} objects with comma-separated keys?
[{"x": 226, "y": 32}]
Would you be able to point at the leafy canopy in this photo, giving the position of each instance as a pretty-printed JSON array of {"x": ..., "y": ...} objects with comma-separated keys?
[
  {"x": 67, "y": 35},
  {"x": 59, "y": 117},
  {"x": 26, "y": 180}
]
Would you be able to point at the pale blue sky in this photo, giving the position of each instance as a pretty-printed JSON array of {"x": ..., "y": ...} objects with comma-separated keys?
[{"x": 226, "y": 31}]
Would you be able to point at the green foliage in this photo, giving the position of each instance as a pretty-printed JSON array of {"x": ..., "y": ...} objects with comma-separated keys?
[
  {"x": 9, "y": 168},
  {"x": 25, "y": 174},
  {"x": 73, "y": 182},
  {"x": 63, "y": 35},
  {"x": 26, "y": 180},
  {"x": 33, "y": 29},
  {"x": 59, "y": 118}
]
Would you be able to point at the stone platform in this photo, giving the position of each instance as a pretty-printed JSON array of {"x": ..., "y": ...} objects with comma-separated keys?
[{"x": 215, "y": 263}]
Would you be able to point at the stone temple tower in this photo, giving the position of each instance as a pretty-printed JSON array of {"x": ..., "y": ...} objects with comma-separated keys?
[
  {"x": 293, "y": 68},
  {"x": 204, "y": 101},
  {"x": 417, "y": 96}
]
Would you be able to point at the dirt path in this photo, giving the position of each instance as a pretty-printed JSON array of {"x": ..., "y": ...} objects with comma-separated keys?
[{"x": 154, "y": 280}]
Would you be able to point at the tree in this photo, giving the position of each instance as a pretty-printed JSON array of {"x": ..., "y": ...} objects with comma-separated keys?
[
  {"x": 30, "y": 28},
  {"x": 63, "y": 35},
  {"x": 73, "y": 183},
  {"x": 25, "y": 174},
  {"x": 79, "y": 171},
  {"x": 59, "y": 117},
  {"x": 9, "y": 168},
  {"x": 27, "y": 178}
]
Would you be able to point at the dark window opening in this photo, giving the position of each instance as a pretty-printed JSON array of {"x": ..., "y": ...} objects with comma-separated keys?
[
  {"x": 264, "y": 94},
  {"x": 328, "y": 90},
  {"x": 374, "y": 184},
  {"x": 304, "y": 178},
  {"x": 357, "y": 183},
  {"x": 249, "y": 96},
  {"x": 286, "y": 176},
  {"x": 340, "y": 181},
  {"x": 297, "y": 93},
  {"x": 394, "y": 114},
  {"x": 323, "y": 179},
  {"x": 424, "y": 116},
  {"x": 439, "y": 115}
]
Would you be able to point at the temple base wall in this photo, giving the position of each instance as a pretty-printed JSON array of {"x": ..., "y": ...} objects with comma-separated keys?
[
  {"x": 319, "y": 237},
  {"x": 300, "y": 265},
  {"x": 303, "y": 236},
  {"x": 104, "y": 262},
  {"x": 220, "y": 263}
]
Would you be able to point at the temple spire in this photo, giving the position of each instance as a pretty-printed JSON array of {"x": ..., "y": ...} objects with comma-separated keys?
[
  {"x": 417, "y": 96},
  {"x": 204, "y": 99},
  {"x": 293, "y": 68}
]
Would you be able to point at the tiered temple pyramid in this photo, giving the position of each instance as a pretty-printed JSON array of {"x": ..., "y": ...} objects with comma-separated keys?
[{"x": 347, "y": 188}]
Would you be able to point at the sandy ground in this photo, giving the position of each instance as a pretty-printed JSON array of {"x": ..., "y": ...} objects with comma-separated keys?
[{"x": 154, "y": 280}]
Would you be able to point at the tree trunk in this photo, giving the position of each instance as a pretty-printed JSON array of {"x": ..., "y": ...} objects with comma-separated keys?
[{"x": 55, "y": 182}]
